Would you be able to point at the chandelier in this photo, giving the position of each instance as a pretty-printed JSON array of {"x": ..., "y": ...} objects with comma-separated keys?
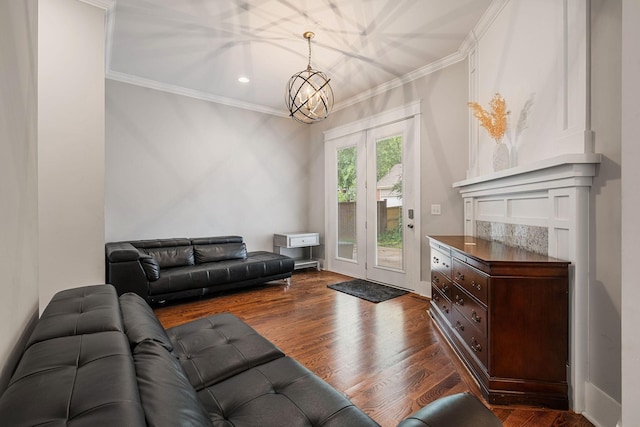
[{"x": 309, "y": 96}]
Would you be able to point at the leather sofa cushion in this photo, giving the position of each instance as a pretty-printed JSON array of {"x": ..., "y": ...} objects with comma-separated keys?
[
  {"x": 167, "y": 396},
  {"x": 256, "y": 265},
  {"x": 140, "y": 323},
  {"x": 217, "y": 347},
  {"x": 151, "y": 267},
  {"x": 172, "y": 256},
  {"x": 219, "y": 252},
  {"x": 84, "y": 310},
  {"x": 82, "y": 380},
  {"x": 279, "y": 393}
]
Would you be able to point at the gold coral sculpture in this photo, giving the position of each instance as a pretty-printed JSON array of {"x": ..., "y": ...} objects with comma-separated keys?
[{"x": 495, "y": 122}]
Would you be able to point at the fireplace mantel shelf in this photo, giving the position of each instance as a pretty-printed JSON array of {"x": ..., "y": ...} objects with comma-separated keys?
[
  {"x": 566, "y": 159},
  {"x": 562, "y": 171}
]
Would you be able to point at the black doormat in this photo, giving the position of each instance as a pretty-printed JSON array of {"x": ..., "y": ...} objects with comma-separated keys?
[{"x": 368, "y": 290}]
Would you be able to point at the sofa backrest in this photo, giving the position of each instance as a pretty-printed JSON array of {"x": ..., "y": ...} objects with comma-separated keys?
[
  {"x": 173, "y": 256},
  {"x": 181, "y": 252},
  {"x": 77, "y": 311},
  {"x": 166, "y": 393},
  {"x": 160, "y": 243},
  {"x": 221, "y": 248},
  {"x": 218, "y": 240},
  {"x": 167, "y": 253},
  {"x": 77, "y": 368}
]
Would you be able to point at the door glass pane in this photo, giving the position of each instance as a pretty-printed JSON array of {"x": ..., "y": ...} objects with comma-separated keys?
[
  {"x": 389, "y": 244},
  {"x": 347, "y": 180}
]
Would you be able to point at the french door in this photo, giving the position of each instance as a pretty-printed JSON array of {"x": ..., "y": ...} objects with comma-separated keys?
[{"x": 373, "y": 219}]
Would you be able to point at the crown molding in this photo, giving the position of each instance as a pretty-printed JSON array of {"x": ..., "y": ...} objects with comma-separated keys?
[
  {"x": 402, "y": 80},
  {"x": 102, "y": 4},
  {"x": 179, "y": 90},
  {"x": 488, "y": 17}
]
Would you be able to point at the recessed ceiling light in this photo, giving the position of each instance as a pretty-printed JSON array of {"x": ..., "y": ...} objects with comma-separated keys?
[{"x": 243, "y": 79}]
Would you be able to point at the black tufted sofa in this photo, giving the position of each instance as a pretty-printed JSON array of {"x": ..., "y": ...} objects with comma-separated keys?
[
  {"x": 96, "y": 359},
  {"x": 166, "y": 269}
]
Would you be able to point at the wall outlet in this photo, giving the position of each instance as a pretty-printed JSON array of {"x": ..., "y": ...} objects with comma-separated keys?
[{"x": 435, "y": 210}]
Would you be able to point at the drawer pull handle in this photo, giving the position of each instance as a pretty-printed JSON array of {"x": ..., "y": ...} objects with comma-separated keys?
[
  {"x": 460, "y": 276},
  {"x": 459, "y": 300},
  {"x": 459, "y": 326},
  {"x": 475, "y": 317},
  {"x": 475, "y": 346},
  {"x": 436, "y": 298},
  {"x": 435, "y": 279},
  {"x": 445, "y": 309},
  {"x": 475, "y": 285},
  {"x": 436, "y": 260},
  {"x": 445, "y": 288}
]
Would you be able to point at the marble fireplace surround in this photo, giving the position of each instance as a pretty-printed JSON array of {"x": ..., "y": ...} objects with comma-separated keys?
[{"x": 543, "y": 207}]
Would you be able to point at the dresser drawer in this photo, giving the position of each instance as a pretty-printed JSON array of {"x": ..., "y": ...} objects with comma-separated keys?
[
  {"x": 475, "y": 313},
  {"x": 443, "y": 283},
  {"x": 440, "y": 262},
  {"x": 441, "y": 303},
  {"x": 473, "y": 339},
  {"x": 473, "y": 281}
]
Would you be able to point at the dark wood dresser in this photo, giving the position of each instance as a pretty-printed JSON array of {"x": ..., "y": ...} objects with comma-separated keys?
[{"x": 505, "y": 312}]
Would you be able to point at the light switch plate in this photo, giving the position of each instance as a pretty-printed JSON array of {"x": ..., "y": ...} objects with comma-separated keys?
[{"x": 435, "y": 210}]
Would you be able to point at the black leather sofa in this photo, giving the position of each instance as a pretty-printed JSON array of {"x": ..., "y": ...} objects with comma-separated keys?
[
  {"x": 94, "y": 359},
  {"x": 166, "y": 269}
]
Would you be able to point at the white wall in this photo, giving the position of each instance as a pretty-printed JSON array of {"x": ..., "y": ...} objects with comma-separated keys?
[
  {"x": 70, "y": 145},
  {"x": 18, "y": 177},
  {"x": 605, "y": 291},
  {"x": 443, "y": 96},
  {"x": 630, "y": 206},
  {"x": 182, "y": 167}
]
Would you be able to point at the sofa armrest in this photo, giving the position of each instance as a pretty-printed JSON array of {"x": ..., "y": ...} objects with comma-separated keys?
[
  {"x": 124, "y": 269},
  {"x": 121, "y": 252},
  {"x": 460, "y": 410}
]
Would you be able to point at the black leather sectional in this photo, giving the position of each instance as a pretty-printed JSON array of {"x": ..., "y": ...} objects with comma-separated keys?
[
  {"x": 166, "y": 269},
  {"x": 96, "y": 359}
]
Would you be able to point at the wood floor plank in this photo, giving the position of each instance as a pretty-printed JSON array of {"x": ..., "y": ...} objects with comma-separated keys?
[{"x": 388, "y": 358}]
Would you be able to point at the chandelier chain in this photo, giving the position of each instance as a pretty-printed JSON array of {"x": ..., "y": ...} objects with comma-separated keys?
[{"x": 309, "y": 63}]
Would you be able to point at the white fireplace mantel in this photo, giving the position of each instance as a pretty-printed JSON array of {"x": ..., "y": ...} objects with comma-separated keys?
[
  {"x": 556, "y": 172},
  {"x": 549, "y": 199}
]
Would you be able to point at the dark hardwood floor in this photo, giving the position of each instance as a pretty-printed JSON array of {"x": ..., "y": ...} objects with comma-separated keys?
[{"x": 388, "y": 358}]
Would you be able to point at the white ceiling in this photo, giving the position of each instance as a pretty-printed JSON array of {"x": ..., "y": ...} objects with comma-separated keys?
[{"x": 201, "y": 47}]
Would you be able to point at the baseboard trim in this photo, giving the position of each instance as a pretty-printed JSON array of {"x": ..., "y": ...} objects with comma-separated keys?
[
  {"x": 425, "y": 289},
  {"x": 601, "y": 409}
]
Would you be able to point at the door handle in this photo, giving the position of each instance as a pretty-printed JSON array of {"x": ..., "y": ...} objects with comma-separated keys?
[{"x": 410, "y": 225}]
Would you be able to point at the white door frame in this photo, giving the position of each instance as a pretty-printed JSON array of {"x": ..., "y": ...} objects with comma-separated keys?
[{"x": 408, "y": 111}]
